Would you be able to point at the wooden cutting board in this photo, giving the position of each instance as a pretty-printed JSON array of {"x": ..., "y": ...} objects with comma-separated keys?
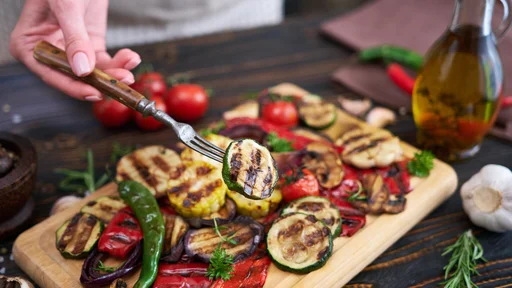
[{"x": 34, "y": 250}]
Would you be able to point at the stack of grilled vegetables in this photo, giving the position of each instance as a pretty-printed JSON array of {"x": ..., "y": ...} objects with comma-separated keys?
[{"x": 256, "y": 206}]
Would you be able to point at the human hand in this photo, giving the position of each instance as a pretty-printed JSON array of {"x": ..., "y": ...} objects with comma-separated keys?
[{"x": 79, "y": 27}]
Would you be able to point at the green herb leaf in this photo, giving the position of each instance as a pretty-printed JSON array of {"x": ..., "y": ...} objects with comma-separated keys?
[
  {"x": 465, "y": 254},
  {"x": 421, "y": 164},
  {"x": 214, "y": 129},
  {"x": 81, "y": 181},
  {"x": 118, "y": 151},
  {"x": 221, "y": 265},
  {"x": 107, "y": 269},
  {"x": 356, "y": 196},
  {"x": 279, "y": 144}
]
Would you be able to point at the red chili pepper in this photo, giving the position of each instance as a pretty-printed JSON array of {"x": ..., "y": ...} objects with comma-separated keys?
[
  {"x": 189, "y": 275},
  {"x": 401, "y": 78},
  {"x": 121, "y": 235},
  {"x": 251, "y": 272}
]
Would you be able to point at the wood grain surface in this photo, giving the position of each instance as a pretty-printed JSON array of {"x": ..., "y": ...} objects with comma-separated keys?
[
  {"x": 34, "y": 250},
  {"x": 233, "y": 63}
]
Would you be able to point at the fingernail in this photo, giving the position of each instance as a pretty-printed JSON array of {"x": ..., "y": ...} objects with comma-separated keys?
[
  {"x": 128, "y": 80},
  {"x": 81, "y": 64},
  {"x": 93, "y": 98},
  {"x": 132, "y": 63}
]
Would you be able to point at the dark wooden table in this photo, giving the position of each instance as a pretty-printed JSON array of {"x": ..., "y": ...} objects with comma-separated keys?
[{"x": 231, "y": 64}]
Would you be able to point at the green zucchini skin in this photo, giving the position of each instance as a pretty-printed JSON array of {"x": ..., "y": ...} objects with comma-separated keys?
[
  {"x": 234, "y": 185},
  {"x": 317, "y": 265},
  {"x": 86, "y": 251},
  {"x": 288, "y": 209},
  {"x": 304, "y": 121}
]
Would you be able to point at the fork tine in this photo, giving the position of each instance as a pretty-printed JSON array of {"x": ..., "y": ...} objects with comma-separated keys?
[
  {"x": 199, "y": 149},
  {"x": 209, "y": 144}
]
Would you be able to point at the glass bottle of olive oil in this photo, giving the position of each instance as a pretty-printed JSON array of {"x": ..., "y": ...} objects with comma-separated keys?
[{"x": 459, "y": 88}]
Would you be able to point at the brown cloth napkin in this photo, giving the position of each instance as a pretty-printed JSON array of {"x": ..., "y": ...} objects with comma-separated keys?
[{"x": 414, "y": 24}]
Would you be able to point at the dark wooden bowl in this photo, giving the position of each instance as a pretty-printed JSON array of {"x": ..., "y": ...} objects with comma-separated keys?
[{"x": 17, "y": 185}]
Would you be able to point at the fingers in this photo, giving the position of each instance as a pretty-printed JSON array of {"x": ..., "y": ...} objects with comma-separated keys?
[
  {"x": 124, "y": 58},
  {"x": 123, "y": 75},
  {"x": 79, "y": 49}
]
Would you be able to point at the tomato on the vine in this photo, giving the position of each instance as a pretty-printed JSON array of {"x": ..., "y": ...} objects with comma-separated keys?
[
  {"x": 282, "y": 113},
  {"x": 150, "y": 84},
  {"x": 111, "y": 113},
  {"x": 150, "y": 123},
  {"x": 298, "y": 184},
  {"x": 187, "y": 102}
]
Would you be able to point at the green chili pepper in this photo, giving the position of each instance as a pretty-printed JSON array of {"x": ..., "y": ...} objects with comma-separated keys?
[
  {"x": 150, "y": 219},
  {"x": 389, "y": 54}
]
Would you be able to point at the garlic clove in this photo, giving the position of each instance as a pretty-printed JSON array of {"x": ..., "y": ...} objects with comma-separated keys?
[
  {"x": 355, "y": 107},
  {"x": 63, "y": 203},
  {"x": 23, "y": 283},
  {"x": 380, "y": 117}
]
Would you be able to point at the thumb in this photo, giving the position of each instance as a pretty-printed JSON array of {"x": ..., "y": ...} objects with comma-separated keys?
[{"x": 79, "y": 48}]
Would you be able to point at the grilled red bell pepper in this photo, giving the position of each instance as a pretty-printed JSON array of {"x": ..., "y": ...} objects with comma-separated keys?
[
  {"x": 251, "y": 272},
  {"x": 122, "y": 234},
  {"x": 182, "y": 275},
  {"x": 351, "y": 224}
]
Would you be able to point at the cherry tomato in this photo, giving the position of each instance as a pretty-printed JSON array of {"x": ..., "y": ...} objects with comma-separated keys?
[
  {"x": 150, "y": 84},
  {"x": 187, "y": 102},
  {"x": 150, "y": 123},
  {"x": 281, "y": 113},
  {"x": 304, "y": 184},
  {"x": 111, "y": 113}
]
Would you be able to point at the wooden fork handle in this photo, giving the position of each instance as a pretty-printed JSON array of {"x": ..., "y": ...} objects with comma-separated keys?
[{"x": 54, "y": 57}]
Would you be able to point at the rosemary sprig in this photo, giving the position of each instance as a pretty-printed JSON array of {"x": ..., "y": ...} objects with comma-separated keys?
[
  {"x": 221, "y": 263},
  {"x": 465, "y": 254},
  {"x": 81, "y": 181},
  {"x": 107, "y": 269},
  {"x": 355, "y": 196},
  {"x": 118, "y": 151}
]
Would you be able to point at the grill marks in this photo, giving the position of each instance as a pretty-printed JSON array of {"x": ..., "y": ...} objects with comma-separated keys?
[
  {"x": 175, "y": 229},
  {"x": 252, "y": 170},
  {"x": 365, "y": 146},
  {"x": 323, "y": 161},
  {"x": 153, "y": 166},
  {"x": 77, "y": 233}
]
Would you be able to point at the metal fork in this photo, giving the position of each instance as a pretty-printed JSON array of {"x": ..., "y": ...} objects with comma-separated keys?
[{"x": 54, "y": 57}]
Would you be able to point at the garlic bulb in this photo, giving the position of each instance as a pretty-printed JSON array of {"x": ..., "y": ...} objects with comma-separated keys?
[
  {"x": 380, "y": 117},
  {"x": 63, "y": 203},
  {"x": 487, "y": 198}
]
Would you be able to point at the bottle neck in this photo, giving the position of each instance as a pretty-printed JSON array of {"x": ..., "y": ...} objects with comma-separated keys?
[{"x": 475, "y": 13}]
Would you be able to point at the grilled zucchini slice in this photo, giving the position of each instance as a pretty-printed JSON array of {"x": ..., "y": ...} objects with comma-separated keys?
[
  {"x": 317, "y": 115},
  {"x": 249, "y": 169},
  {"x": 78, "y": 235},
  {"x": 321, "y": 208},
  {"x": 153, "y": 166},
  {"x": 104, "y": 208},
  {"x": 299, "y": 243},
  {"x": 175, "y": 229},
  {"x": 324, "y": 161},
  {"x": 188, "y": 155},
  {"x": 256, "y": 208},
  {"x": 246, "y": 232},
  {"x": 199, "y": 191}
]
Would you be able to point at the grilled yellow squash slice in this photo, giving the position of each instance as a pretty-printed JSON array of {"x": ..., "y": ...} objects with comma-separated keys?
[
  {"x": 199, "y": 191},
  {"x": 153, "y": 166},
  {"x": 255, "y": 208}
]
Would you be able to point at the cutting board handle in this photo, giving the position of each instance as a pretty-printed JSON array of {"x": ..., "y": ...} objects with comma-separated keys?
[{"x": 55, "y": 57}]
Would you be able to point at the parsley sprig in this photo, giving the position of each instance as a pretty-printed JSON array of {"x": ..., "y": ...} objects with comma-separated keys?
[
  {"x": 466, "y": 252},
  {"x": 221, "y": 263},
  {"x": 107, "y": 269},
  {"x": 279, "y": 144},
  {"x": 421, "y": 164}
]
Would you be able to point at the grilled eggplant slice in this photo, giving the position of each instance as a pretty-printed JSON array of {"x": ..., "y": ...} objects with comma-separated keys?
[
  {"x": 153, "y": 166},
  {"x": 78, "y": 235},
  {"x": 324, "y": 161},
  {"x": 201, "y": 243},
  {"x": 299, "y": 243},
  {"x": 104, "y": 208},
  {"x": 188, "y": 155},
  {"x": 199, "y": 191},
  {"x": 377, "y": 194},
  {"x": 175, "y": 229},
  {"x": 256, "y": 208},
  {"x": 223, "y": 216},
  {"x": 321, "y": 208},
  {"x": 249, "y": 169},
  {"x": 317, "y": 115},
  {"x": 366, "y": 148}
]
